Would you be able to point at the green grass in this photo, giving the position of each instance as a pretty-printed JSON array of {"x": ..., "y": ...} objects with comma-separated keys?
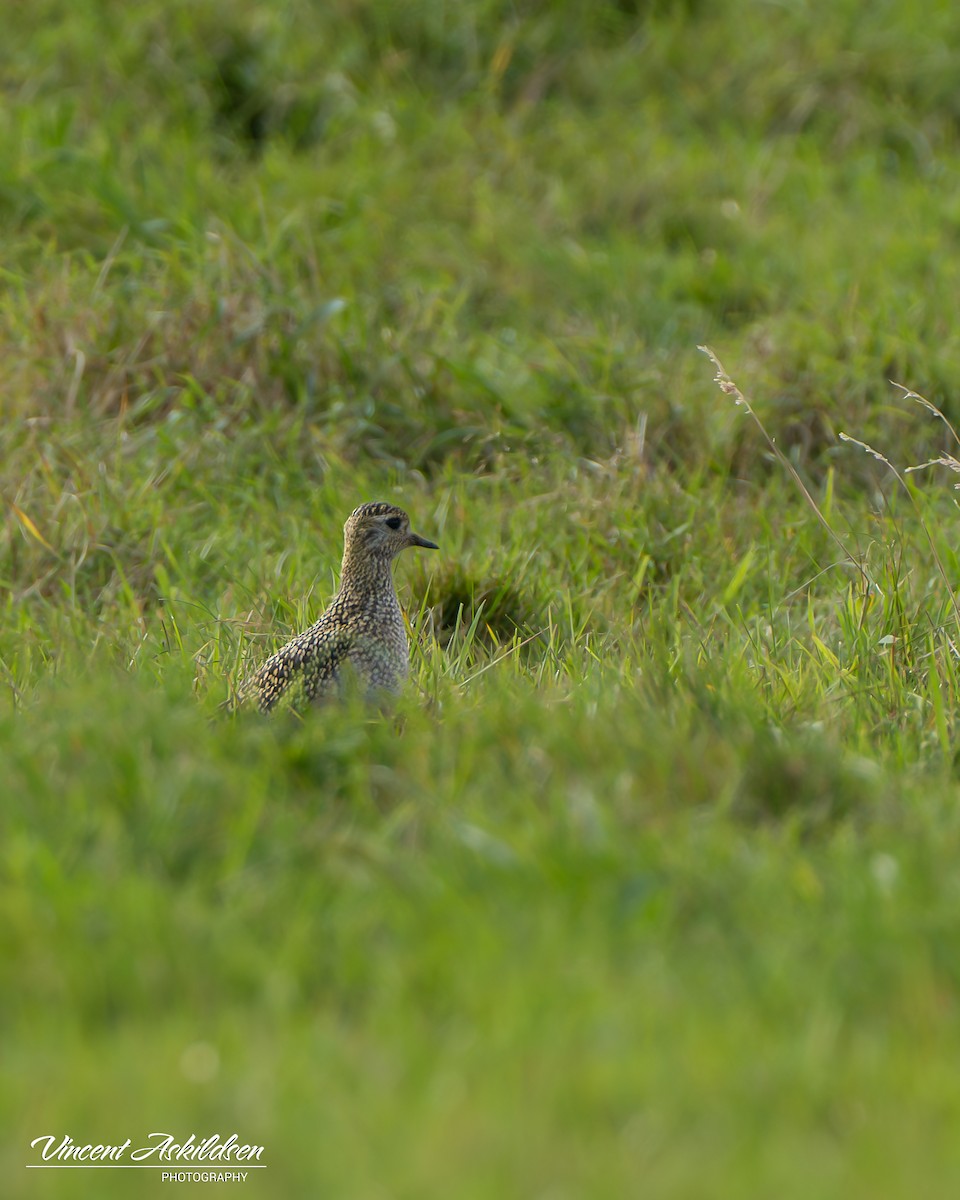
[{"x": 648, "y": 884}]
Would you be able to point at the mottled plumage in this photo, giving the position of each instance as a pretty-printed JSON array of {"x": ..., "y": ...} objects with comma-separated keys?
[{"x": 362, "y": 631}]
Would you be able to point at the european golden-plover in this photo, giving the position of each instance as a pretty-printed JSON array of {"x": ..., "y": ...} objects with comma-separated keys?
[{"x": 362, "y": 630}]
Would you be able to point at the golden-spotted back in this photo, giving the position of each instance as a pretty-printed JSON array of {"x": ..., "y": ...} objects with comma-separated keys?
[{"x": 362, "y": 630}]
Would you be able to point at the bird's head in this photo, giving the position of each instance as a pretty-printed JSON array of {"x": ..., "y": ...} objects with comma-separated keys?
[{"x": 382, "y": 530}]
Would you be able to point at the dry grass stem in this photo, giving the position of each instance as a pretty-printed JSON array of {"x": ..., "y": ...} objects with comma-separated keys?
[{"x": 727, "y": 385}]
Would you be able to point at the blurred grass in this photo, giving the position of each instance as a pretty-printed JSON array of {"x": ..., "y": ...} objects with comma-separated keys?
[{"x": 651, "y": 877}]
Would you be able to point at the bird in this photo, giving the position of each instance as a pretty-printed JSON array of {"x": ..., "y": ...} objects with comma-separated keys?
[{"x": 361, "y": 634}]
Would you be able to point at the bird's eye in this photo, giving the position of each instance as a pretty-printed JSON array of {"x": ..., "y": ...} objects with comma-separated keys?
[{"x": 393, "y": 522}]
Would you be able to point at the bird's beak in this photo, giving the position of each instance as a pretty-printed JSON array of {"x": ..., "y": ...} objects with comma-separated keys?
[{"x": 414, "y": 539}]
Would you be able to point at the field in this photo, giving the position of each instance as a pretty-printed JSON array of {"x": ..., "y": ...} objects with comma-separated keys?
[{"x": 650, "y": 883}]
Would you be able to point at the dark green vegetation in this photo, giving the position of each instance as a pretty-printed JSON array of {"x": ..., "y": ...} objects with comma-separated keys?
[{"x": 651, "y": 885}]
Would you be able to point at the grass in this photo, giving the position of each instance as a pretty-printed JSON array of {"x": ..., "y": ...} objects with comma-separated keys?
[{"x": 650, "y": 879}]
